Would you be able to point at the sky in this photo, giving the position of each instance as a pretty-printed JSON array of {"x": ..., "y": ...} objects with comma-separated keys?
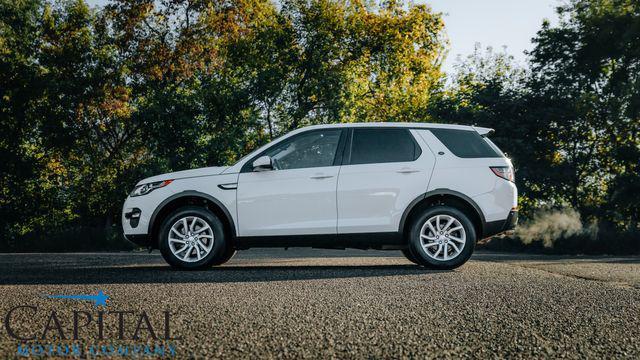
[{"x": 495, "y": 23}]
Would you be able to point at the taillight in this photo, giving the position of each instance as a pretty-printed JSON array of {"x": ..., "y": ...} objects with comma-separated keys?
[{"x": 505, "y": 172}]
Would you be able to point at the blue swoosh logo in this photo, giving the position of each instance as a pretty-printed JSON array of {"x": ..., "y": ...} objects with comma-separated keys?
[{"x": 99, "y": 299}]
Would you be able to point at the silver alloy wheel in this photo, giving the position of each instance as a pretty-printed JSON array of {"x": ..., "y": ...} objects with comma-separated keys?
[
  {"x": 442, "y": 237},
  {"x": 191, "y": 239}
]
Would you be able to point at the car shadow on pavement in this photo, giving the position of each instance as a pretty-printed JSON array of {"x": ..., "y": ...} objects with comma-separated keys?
[
  {"x": 149, "y": 274},
  {"x": 566, "y": 259}
]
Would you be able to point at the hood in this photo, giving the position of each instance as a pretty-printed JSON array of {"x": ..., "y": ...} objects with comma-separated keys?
[{"x": 207, "y": 171}]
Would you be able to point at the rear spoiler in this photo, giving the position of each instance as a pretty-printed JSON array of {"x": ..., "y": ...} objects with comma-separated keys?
[{"x": 483, "y": 131}]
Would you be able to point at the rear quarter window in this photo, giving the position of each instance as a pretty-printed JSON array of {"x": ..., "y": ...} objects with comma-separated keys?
[{"x": 465, "y": 143}]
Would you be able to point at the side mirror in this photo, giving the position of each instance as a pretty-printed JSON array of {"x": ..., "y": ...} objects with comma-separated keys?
[{"x": 263, "y": 163}]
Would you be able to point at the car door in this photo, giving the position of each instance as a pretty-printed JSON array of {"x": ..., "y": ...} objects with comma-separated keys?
[
  {"x": 384, "y": 170},
  {"x": 297, "y": 197}
]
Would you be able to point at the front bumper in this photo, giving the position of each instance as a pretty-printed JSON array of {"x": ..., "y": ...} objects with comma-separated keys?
[
  {"x": 131, "y": 224},
  {"x": 137, "y": 212},
  {"x": 132, "y": 217},
  {"x": 140, "y": 239}
]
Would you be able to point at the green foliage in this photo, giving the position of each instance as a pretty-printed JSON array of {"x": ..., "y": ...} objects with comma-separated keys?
[
  {"x": 571, "y": 121},
  {"x": 92, "y": 100},
  {"x": 490, "y": 90},
  {"x": 586, "y": 75},
  {"x": 95, "y": 99}
]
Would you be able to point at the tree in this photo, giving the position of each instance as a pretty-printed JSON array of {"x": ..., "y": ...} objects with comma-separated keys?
[
  {"x": 488, "y": 89},
  {"x": 22, "y": 193},
  {"x": 95, "y": 99},
  {"x": 586, "y": 77}
]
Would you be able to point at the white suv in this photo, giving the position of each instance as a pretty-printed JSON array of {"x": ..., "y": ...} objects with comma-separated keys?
[{"x": 429, "y": 190}]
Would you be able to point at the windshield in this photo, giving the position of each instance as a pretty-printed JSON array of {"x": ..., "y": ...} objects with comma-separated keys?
[{"x": 255, "y": 151}]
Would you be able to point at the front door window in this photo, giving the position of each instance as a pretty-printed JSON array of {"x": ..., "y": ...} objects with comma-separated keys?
[{"x": 315, "y": 149}]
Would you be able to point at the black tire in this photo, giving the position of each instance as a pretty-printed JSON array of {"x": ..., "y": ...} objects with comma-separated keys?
[
  {"x": 218, "y": 252},
  {"x": 418, "y": 251},
  {"x": 228, "y": 254},
  {"x": 407, "y": 253}
]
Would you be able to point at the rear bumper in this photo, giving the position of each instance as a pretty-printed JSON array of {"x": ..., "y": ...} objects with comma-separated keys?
[
  {"x": 512, "y": 221},
  {"x": 496, "y": 227}
]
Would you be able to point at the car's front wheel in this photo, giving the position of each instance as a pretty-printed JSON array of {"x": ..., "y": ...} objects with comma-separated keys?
[
  {"x": 193, "y": 237},
  {"x": 407, "y": 253},
  {"x": 442, "y": 237}
]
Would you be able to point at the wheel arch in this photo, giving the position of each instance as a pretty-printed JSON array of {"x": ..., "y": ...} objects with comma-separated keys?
[
  {"x": 185, "y": 198},
  {"x": 444, "y": 197}
]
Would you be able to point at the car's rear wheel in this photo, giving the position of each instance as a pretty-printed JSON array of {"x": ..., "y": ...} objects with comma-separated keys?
[
  {"x": 193, "y": 237},
  {"x": 442, "y": 237}
]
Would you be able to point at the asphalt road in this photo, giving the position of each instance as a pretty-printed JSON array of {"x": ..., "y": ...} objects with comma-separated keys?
[{"x": 345, "y": 304}]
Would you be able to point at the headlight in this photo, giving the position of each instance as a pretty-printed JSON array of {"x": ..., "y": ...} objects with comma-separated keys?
[{"x": 144, "y": 189}]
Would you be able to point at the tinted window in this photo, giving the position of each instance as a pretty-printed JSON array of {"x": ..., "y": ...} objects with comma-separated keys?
[
  {"x": 465, "y": 143},
  {"x": 312, "y": 149},
  {"x": 382, "y": 146},
  {"x": 494, "y": 146}
]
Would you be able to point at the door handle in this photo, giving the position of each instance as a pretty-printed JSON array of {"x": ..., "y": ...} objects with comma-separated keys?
[
  {"x": 407, "y": 171},
  {"x": 321, "y": 176}
]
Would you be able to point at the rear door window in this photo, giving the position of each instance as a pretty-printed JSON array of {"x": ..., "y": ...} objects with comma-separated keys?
[
  {"x": 370, "y": 146},
  {"x": 465, "y": 143}
]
